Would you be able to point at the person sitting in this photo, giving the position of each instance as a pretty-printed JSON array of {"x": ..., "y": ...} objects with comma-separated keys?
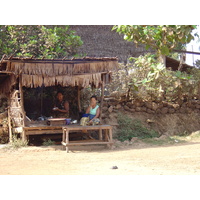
[
  {"x": 93, "y": 110},
  {"x": 61, "y": 107}
]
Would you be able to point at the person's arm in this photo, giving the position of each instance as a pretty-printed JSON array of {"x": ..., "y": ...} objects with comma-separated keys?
[
  {"x": 55, "y": 107},
  {"x": 88, "y": 110}
]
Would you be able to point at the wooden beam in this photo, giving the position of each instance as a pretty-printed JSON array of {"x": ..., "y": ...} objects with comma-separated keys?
[
  {"x": 190, "y": 52},
  {"x": 85, "y": 142}
]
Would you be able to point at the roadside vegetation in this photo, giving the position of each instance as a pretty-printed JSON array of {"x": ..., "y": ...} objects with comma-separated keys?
[{"x": 129, "y": 128}]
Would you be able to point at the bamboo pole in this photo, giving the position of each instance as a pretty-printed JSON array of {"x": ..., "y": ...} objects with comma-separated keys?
[
  {"x": 102, "y": 95},
  {"x": 22, "y": 107},
  {"x": 79, "y": 99},
  {"x": 21, "y": 94}
]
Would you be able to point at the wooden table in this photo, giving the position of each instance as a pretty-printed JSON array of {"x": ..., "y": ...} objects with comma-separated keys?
[
  {"x": 105, "y": 135},
  {"x": 57, "y": 121}
]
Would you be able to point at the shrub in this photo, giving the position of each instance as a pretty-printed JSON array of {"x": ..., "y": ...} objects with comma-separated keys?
[
  {"x": 129, "y": 128},
  {"x": 48, "y": 142},
  {"x": 144, "y": 78},
  {"x": 18, "y": 142}
]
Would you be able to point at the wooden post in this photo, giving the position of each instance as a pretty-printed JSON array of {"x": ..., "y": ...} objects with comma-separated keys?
[
  {"x": 102, "y": 95},
  {"x": 106, "y": 135},
  {"x": 63, "y": 136},
  {"x": 9, "y": 126},
  {"x": 22, "y": 107},
  {"x": 21, "y": 94},
  {"x": 67, "y": 139},
  {"x": 111, "y": 140},
  {"x": 100, "y": 134},
  {"x": 79, "y": 99}
]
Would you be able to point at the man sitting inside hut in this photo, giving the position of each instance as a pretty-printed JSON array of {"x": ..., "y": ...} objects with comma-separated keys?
[{"x": 61, "y": 106}]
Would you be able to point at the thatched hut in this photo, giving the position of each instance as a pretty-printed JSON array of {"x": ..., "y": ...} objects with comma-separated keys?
[{"x": 30, "y": 72}]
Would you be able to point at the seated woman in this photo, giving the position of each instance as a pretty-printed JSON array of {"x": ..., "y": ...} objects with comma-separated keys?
[
  {"x": 61, "y": 107},
  {"x": 93, "y": 110}
]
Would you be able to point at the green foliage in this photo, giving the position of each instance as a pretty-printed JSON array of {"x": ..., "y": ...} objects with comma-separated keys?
[
  {"x": 39, "y": 41},
  {"x": 146, "y": 79},
  {"x": 129, "y": 128},
  {"x": 48, "y": 142},
  {"x": 162, "y": 38},
  {"x": 152, "y": 81}
]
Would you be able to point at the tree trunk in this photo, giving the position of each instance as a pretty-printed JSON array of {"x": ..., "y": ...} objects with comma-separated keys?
[
  {"x": 162, "y": 59},
  {"x": 182, "y": 61}
]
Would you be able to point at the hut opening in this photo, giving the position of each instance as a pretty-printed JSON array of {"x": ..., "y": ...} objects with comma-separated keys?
[{"x": 42, "y": 100}]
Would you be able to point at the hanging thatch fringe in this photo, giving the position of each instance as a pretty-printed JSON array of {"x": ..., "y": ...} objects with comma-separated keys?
[
  {"x": 52, "y": 69},
  {"x": 94, "y": 67},
  {"x": 27, "y": 80},
  {"x": 49, "y": 81},
  {"x": 67, "y": 80},
  {"x": 77, "y": 72},
  {"x": 76, "y": 80}
]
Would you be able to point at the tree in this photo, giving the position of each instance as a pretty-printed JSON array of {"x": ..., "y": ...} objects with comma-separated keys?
[
  {"x": 39, "y": 41},
  {"x": 162, "y": 38}
]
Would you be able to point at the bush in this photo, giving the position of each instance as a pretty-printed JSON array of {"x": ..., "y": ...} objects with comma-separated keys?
[
  {"x": 18, "y": 142},
  {"x": 48, "y": 142},
  {"x": 129, "y": 128},
  {"x": 147, "y": 79}
]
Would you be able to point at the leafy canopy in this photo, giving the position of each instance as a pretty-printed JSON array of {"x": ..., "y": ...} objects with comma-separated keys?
[
  {"x": 162, "y": 38},
  {"x": 39, "y": 41}
]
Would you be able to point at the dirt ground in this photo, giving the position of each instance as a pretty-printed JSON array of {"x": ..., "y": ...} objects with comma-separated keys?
[{"x": 135, "y": 159}]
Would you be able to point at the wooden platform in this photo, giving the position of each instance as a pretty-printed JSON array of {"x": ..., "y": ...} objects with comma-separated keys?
[{"x": 105, "y": 135}]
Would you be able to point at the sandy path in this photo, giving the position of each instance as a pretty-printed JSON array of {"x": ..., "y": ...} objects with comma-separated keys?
[{"x": 176, "y": 159}]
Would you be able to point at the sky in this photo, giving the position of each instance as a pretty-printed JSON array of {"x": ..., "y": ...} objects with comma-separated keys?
[{"x": 194, "y": 45}]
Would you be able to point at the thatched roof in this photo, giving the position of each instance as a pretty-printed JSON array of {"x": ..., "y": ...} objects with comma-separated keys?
[
  {"x": 100, "y": 41},
  {"x": 49, "y": 72}
]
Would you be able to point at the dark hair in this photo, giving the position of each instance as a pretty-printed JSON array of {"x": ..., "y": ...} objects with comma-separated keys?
[
  {"x": 93, "y": 97},
  {"x": 58, "y": 93}
]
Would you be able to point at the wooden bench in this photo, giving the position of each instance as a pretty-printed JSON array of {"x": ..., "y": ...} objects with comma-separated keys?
[{"x": 104, "y": 137}]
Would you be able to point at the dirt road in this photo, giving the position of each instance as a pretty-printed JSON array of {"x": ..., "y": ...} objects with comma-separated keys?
[{"x": 178, "y": 159}]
